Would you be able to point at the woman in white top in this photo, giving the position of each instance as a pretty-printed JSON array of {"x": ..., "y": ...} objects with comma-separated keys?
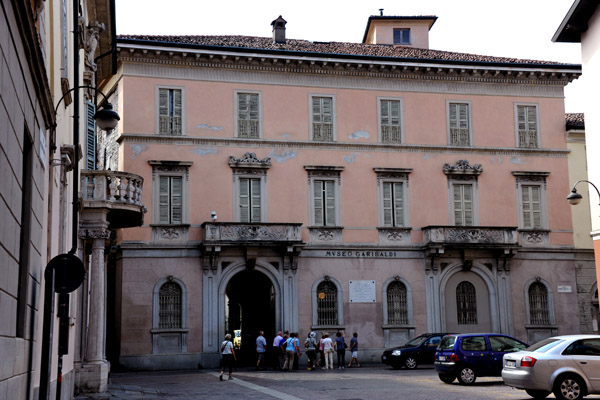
[
  {"x": 328, "y": 350},
  {"x": 228, "y": 356}
]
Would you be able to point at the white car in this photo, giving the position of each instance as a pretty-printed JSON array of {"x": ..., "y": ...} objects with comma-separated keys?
[{"x": 568, "y": 366}]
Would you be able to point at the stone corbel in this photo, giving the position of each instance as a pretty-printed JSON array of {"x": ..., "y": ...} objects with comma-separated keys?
[
  {"x": 430, "y": 266},
  {"x": 467, "y": 257},
  {"x": 250, "y": 254},
  {"x": 210, "y": 256}
]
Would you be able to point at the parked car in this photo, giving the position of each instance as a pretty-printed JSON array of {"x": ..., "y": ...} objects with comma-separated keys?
[
  {"x": 568, "y": 366},
  {"x": 467, "y": 356},
  {"x": 420, "y": 350}
]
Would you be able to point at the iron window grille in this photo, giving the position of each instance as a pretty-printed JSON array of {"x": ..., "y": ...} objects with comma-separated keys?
[
  {"x": 327, "y": 307},
  {"x": 466, "y": 303},
  {"x": 538, "y": 304},
  {"x": 169, "y": 301},
  {"x": 397, "y": 304}
]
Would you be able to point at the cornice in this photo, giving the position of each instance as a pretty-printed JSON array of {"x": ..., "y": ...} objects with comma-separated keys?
[
  {"x": 525, "y": 74},
  {"x": 340, "y": 146}
]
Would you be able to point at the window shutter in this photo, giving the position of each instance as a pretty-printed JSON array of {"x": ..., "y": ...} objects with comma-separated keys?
[
  {"x": 176, "y": 194},
  {"x": 318, "y": 202},
  {"x": 90, "y": 136},
  {"x": 527, "y": 126},
  {"x": 322, "y": 118},
  {"x": 390, "y": 121},
  {"x": 256, "y": 211},
  {"x": 177, "y": 128},
  {"x": 387, "y": 204},
  {"x": 398, "y": 204},
  {"x": 468, "y": 204},
  {"x": 458, "y": 210},
  {"x": 163, "y": 111},
  {"x": 459, "y": 124},
  {"x": 531, "y": 204},
  {"x": 163, "y": 200},
  {"x": 244, "y": 200},
  {"x": 248, "y": 115},
  {"x": 330, "y": 203}
]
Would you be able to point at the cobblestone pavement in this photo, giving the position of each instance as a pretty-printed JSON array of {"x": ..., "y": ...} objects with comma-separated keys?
[{"x": 367, "y": 383}]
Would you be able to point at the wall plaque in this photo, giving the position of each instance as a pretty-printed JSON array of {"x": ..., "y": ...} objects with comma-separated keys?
[
  {"x": 362, "y": 291},
  {"x": 564, "y": 289}
]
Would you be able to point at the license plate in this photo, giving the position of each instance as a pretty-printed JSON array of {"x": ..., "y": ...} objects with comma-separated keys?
[
  {"x": 442, "y": 358},
  {"x": 510, "y": 363}
]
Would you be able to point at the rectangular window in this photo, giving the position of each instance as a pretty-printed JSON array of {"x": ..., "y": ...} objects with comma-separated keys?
[
  {"x": 170, "y": 112},
  {"x": 527, "y": 126},
  {"x": 393, "y": 204},
  {"x": 402, "y": 36},
  {"x": 459, "y": 124},
  {"x": 250, "y": 200},
  {"x": 248, "y": 115},
  {"x": 170, "y": 200},
  {"x": 531, "y": 203},
  {"x": 322, "y": 119},
  {"x": 463, "y": 204},
  {"x": 390, "y": 120},
  {"x": 324, "y": 202}
]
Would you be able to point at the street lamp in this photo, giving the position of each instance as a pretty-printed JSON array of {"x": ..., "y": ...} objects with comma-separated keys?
[{"x": 575, "y": 198}]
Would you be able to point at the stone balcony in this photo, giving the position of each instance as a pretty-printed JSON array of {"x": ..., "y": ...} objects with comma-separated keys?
[
  {"x": 236, "y": 233},
  {"x": 120, "y": 193},
  {"x": 465, "y": 237}
]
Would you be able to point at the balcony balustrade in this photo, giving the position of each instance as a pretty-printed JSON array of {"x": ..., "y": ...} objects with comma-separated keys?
[
  {"x": 119, "y": 192},
  {"x": 236, "y": 232},
  {"x": 470, "y": 236}
]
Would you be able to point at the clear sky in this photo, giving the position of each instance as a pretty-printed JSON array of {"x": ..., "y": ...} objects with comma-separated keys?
[{"x": 510, "y": 28}]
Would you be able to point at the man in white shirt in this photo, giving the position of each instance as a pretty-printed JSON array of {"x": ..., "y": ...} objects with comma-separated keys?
[{"x": 277, "y": 352}]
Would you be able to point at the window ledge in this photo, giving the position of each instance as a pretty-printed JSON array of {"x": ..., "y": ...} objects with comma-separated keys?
[
  {"x": 171, "y": 330},
  {"x": 325, "y": 234},
  {"x": 387, "y": 326},
  {"x": 328, "y": 328},
  {"x": 394, "y": 235},
  {"x": 170, "y": 232},
  {"x": 551, "y": 326}
]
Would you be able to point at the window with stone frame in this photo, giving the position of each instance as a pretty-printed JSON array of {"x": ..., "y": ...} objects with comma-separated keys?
[
  {"x": 462, "y": 192},
  {"x": 170, "y": 111},
  {"x": 250, "y": 187},
  {"x": 397, "y": 304},
  {"x": 463, "y": 204},
  {"x": 539, "y": 313},
  {"x": 170, "y": 187},
  {"x": 322, "y": 118},
  {"x": 393, "y": 203},
  {"x": 466, "y": 303},
  {"x": 248, "y": 115},
  {"x": 459, "y": 123},
  {"x": 327, "y": 304},
  {"x": 324, "y": 202},
  {"x": 531, "y": 199},
  {"x": 390, "y": 120},
  {"x": 170, "y": 304},
  {"x": 527, "y": 125}
]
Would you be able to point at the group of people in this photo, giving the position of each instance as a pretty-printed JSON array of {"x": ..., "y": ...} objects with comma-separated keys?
[{"x": 286, "y": 350}]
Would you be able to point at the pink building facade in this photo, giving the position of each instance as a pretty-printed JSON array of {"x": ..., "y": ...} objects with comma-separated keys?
[{"x": 380, "y": 189}]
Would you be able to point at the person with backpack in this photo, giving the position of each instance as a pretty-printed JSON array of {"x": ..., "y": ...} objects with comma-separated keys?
[
  {"x": 228, "y": 354},
  {"x": 311, "y": 350},
  {"x": 291, "y": 349}
]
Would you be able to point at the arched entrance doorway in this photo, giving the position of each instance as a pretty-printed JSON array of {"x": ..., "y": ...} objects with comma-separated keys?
[
  {"x": 249, "y": 308},
  {"x": 467, "y": 303}
]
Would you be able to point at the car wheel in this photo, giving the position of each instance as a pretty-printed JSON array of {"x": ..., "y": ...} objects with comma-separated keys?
[
  {"x": 447, "y": 378},
  {"x": 466, "y": 376},
  {"x": 569, "y": 387},
  {"x": 410, "y": 363},
  {"x": 537, "y": 394}
]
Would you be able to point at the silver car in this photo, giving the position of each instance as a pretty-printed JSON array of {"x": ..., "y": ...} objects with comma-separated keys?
[{"x": 568, "y": 366}]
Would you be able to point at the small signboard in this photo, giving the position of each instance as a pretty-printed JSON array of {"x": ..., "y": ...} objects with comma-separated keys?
[
  {"x": 564, "y": 289},
  {"x": 362, "y": 291}
]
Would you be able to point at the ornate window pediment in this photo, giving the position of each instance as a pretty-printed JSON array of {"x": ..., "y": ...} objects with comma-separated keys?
[{"x": 462, "y": 167}]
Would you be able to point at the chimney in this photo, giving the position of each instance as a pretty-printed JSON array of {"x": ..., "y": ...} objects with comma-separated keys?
[{"x": 279, "y": 30}]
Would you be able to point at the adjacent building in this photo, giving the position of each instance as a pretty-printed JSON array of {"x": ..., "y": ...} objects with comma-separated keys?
[
  {"x": 581, "y": 25},
  {"x": 380, "y": 187}
]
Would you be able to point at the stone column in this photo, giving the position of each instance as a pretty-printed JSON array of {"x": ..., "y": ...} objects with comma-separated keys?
[
  {"x": 92, "y": 374},
  {"x": 97, "y": 318}
]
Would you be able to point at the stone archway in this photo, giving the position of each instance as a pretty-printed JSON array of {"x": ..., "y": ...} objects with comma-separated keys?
[{"x": 467, "y": 303}]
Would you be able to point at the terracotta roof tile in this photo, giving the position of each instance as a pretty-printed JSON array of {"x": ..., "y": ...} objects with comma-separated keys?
[
  {"x": 575, "y": 121},
  {"x": 338, "y": 48}
]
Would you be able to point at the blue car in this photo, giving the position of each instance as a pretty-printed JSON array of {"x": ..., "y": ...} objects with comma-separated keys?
[{"x": 467, "y": 356}]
